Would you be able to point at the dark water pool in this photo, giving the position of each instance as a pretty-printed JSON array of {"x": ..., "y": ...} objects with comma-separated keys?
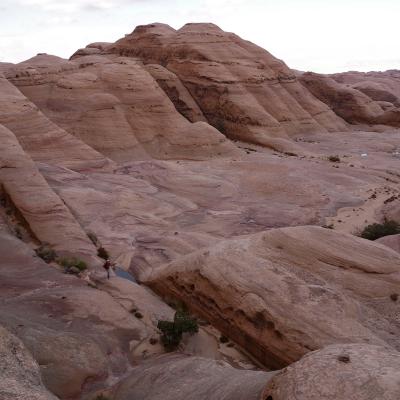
[{"x": 124, "y": 274}]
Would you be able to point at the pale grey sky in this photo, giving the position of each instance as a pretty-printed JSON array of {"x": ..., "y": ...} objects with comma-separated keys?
[{"x": 317, "y": 35}]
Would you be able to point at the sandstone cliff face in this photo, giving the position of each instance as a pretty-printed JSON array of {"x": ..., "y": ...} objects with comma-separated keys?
[
  {"x": 176, "y": 92},
  {"x": 38, "y": 208},
  {"x": 116, "y": 107},
  {"x": 241, "y": 89},
  {"x": 349, "y": 103},
  {"x": 285, "y": 292},
  {"x": 379, "y": 86},
  {"x": 42, "y": 139},
  {"x": 367, "y": 98}
]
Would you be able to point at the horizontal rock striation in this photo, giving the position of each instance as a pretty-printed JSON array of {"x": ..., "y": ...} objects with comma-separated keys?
[
  {"x": 285, "y": 292},
  {"x": 240, "y": 88}
]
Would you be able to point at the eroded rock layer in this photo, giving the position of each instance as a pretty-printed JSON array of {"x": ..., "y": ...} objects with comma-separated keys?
[
  {"x": 285, "y": 292},
  {"x": 241, "y": 89},
  {"x": 116, "y": 107},
  {"x": 340, "y": 372}
]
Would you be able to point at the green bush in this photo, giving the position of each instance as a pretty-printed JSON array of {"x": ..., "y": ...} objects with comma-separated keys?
[
  {"x": 103, "y": 253},
  {"x": 172, "y": 331},
  {"x": 376, "y": 231},
  {"x": 46, "y": 253},
  {"x": 102, "y": 397},
  {"x": 223, "y": 339},
  {"x": 72, "y": 265},
  {"x": 334, "y": 158}
]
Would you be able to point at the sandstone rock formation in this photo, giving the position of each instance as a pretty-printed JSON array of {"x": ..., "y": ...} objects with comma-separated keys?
[
  {"x": 197, "y": 160},
  {"x": 241, "y": 89},
  {"x": 77, "y": 334},
  {"x": 117, "y": 108},
  {"x": 392, "y": 241},
  {"x": 349, "y": 103},
  {"x": 379, "y": 86},
  {"x": 36, "y": 206},
  {"x": 177, "y": 377},
  {"x": 20, "y": 376},
  {"x": 177, "y": 92},
  {"x": 339, "y": 372},
  {"x": 285, "y": 292},
  {"x": 366, "y": 98},
  {"x": 43, "y": 140}
]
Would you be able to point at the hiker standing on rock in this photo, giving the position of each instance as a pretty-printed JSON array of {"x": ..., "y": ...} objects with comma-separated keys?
[{"x": 107, "y": 266}]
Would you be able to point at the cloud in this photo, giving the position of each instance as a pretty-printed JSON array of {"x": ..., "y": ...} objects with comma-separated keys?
[
  {"x": 73, "y": 6},
  {"x": 323, "y": 36}
]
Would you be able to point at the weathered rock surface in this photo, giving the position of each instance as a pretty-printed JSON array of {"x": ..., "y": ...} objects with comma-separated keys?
[
  {"x": 241, "y": 89},
  {"x": 178, "y": 378},
  {"x": 43, "y": 140},
  {"x": 158, "y": 211},
  {"x": 116, "y": 107},
  {"x": 285, "y": 292},
  {"x": 177, "y": 92},
  {"x": 384, "y": 86},
  {"x": 360, "y": 98},
  {"x": 79, "y": 335},
  {"x": 392, "y": 241},
  {"x": 349, "y": 103},
  {"x": 20, "y": 376},
  {"x": 36, "y": 205},
  {"x": 339, "y": 372}
]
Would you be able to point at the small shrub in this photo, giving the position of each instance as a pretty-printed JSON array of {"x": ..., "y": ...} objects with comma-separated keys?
[
  {"x": 46, "y": 253},
  {"x": 344, "y": 358},
  {"x": 153, "y": 341},
  {"x": 223, "y": 339},
  {"x": 103, "y": 253},
  {"x": 18, "y": 232},
  {"x": 334, "y": 158},
  {"x": 101, "y": 397},
  {"x": 330, "y": 226},
  {"x": 220, "y": 125},
  {"x": 172, "y": 331},
  {"x": 72, "y": 265},
  {"x": 394, "y": 297},
  {"x": 376, "y": 231},
  {"x": 138, "y": 315}
]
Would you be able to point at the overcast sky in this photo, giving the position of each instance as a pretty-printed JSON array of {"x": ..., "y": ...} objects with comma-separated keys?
[{"x": 317, "y": 35}]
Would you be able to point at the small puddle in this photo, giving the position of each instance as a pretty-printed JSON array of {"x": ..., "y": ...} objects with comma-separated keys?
[{"x": 124, "y": 274}]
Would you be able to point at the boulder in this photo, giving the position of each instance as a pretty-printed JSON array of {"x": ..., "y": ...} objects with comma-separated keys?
[
  {"x": 285, "y": 292},
  {"x": 339, "y": 372},
  {"x": 20, "y": 375},
  {"x": 178, "y": 377}
]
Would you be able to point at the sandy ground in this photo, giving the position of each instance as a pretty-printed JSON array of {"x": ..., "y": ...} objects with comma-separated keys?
[{"x": 354, "y": 219}]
